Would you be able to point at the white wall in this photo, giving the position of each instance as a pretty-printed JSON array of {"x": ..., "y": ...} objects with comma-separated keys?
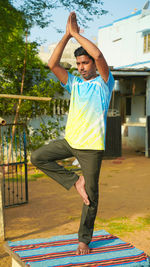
[
  {"x": 133, "y": 137},
  {"x": 137, "y": 110},
  {"x": 122, "y": 41}
]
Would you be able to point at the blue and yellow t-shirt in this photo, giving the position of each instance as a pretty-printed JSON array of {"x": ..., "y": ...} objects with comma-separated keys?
[{"x": 89, "y": 103}]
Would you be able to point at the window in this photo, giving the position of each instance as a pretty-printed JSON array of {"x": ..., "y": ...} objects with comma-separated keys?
[
  {"x": 147, "y": 43},
  {"x": 128, "y": 106}
]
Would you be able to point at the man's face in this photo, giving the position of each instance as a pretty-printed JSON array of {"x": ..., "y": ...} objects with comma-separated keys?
[{"x": 86, "y": 67}]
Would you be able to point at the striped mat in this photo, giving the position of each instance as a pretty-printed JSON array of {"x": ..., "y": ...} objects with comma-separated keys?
[{"x": 106, "y": 250}]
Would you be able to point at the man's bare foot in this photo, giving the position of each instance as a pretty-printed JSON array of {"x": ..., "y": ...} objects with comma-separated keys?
[
  {"x": 80, "y": 186},
  {"x": 82, "y": 249}
]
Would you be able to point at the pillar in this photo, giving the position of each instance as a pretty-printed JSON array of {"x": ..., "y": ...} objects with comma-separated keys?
[{"x": 147, "y": 137}]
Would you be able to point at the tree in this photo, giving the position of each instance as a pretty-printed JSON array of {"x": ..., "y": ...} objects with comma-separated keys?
[
  {"x": 40, "y": 12},
  {"x": 13, "y": 28}
]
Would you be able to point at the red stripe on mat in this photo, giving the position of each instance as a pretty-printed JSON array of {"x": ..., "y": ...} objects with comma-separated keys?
[
  {"x": 50, "y": 256},
  {"x": 59, "y": 243}
]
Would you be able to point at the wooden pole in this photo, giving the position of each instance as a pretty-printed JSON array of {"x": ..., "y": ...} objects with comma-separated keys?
[
  {"x": 25, "y": 97},
  {"x": 2, "y": 121},
  {"x": 19, "y": 104}
]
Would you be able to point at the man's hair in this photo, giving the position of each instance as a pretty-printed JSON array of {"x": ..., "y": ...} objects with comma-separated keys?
[{"x": 80, "y": 51}]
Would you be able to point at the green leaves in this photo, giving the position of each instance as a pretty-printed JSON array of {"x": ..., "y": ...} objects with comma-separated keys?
[
  {"x": 85, "y": 9},
  {"x": 40, "y": 12},
  {"x": 36, "y": 12},
  {"x": 46, "y": 132}
]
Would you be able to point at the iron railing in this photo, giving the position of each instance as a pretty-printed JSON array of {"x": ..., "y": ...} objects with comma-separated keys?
[{"x": 13, "y": 164}]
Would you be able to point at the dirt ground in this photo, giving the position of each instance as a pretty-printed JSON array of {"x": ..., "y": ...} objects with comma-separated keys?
[{"x": 124, "y": 191}]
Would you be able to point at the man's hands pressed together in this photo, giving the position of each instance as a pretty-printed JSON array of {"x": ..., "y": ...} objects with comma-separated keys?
[{"x": 72, "y": 24}]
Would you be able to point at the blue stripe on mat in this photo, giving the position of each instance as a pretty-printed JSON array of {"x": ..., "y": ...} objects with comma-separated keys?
[
  {"x": 67, "y": 248},
  {"x": 52, "y": 239},
  {"x": 85, "y": 259}
]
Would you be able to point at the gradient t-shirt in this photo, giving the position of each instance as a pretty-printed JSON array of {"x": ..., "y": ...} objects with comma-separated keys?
[{"x": 89, "y": 103}]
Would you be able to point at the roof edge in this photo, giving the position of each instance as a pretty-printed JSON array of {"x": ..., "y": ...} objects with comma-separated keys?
[{"x": 123, "y": 18}]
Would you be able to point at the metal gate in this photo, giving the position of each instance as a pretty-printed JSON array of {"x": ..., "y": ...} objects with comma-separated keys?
[
  {"x": 113, "y": 137},
  {"x": 13, "y": 164}
]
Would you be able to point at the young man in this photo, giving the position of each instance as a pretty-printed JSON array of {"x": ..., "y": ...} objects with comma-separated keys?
[{"x": 85, "y": 129}]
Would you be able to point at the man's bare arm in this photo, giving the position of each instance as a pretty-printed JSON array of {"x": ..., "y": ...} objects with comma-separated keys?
[
  {"x": 90, "y": 47},
  {"x": 54, "y": 61}
]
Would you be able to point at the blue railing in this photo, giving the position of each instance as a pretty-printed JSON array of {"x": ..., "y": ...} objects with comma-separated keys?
[{"x": 13, "y": 164}]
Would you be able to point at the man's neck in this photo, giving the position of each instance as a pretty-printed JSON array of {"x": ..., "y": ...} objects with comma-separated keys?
[{"x": 93, "y": 77}]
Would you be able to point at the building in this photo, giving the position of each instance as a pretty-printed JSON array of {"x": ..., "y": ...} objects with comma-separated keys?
[
  {"x": 68, "y": 59},
  {"x": 126, "y": 41},
  {"x": 125, "y": 44}
]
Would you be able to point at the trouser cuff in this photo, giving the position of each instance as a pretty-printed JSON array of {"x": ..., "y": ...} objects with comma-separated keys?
[{"x": 74, "y": 180}]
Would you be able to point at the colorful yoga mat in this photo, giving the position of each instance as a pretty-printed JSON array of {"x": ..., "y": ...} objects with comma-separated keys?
[{"x": 106, "y": 250}]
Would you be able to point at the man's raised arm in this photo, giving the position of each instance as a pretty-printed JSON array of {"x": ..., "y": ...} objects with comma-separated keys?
[
  {"x": 54, "y": 61},
  {"x": 90, "y": 47}
]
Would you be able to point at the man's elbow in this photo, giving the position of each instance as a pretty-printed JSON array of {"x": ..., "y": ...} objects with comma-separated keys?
[
  {"x": 51, "y": 65},
  {"x": 98, "y": 56}
]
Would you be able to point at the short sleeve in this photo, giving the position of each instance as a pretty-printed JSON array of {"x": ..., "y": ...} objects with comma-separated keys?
[
  {"x": 68, "y": 85},
  {"x": 110, "y": 82},
  {"x": 107, "y": 90}
]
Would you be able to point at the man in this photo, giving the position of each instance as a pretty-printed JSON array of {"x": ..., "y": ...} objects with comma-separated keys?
[{"x": 85, "y": 129}]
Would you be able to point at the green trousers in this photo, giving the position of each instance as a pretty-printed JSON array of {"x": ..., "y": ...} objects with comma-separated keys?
[{"x": 45, "y": 159}]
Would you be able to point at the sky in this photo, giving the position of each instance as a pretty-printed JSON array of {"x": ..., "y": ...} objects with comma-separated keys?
[{"x": 116, "y": 9}]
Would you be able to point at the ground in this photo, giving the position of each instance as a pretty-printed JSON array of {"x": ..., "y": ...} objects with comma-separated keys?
[{"x": 124, "y": 206}]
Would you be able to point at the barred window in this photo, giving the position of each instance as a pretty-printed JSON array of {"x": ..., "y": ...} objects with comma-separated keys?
[{"x": 147, "y": 43}]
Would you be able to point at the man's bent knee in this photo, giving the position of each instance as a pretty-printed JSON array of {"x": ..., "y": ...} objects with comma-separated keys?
[{"x": 34, "y": 158}]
